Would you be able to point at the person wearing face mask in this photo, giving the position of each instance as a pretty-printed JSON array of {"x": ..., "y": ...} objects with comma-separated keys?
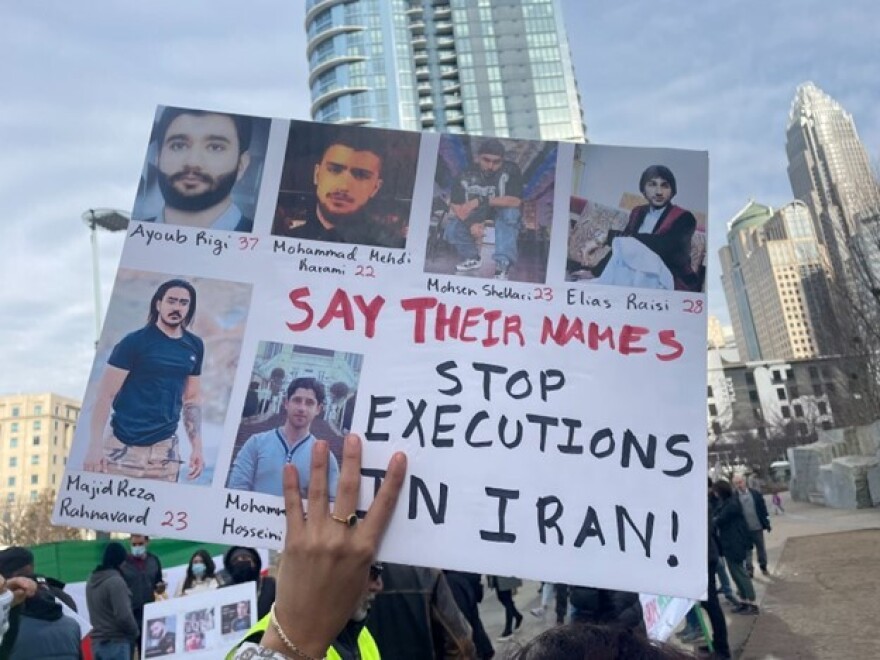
[
  {"x": 242, "y": 565},
  {"x": 142, "y": 571},
  {"x": 199, "y": 575}
]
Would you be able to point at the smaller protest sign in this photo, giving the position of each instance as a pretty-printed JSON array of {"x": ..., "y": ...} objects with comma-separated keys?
[{"x": 204, "y": 625}]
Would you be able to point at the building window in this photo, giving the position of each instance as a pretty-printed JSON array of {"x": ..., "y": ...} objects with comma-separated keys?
[
  {"x": 793, "y": 391},
  {"x": 35, "y": 459},
  {"x": 34, "y": 496},
  {"x": 750, "y": 378},
  {"x": 817, "y": 389},
  {"x": 710, "y": 391},
  {"x": 803, "y": 429},
  {"x": 826, "y": 425},
  {"x": 786, "y": 412},
  {"x": 15, "y": 411},
  {"x": 36, "y": 425},
  {"x": 35, "y": 479},
  {"x": 789, "y": 374},
  {"x": 762, "y": 432},
  {"x": 753, "y": 396},
  {"x": 13, "y": 443},
  {"x": 777, "y": 376},
  {"x": 10, "y": 481},
  {"x": 13, "y": 461},
  {"x": 35, "y": 441},
  {"x": 38, "y": 409},
  {"x": 10, "y": 498},
  {"x": 13, "y": 428},
  {"x": 780, "y": 393},
  {"x": 823, "y": 407},
  {"x": 814, "y": 373},
  {"x": 798, "y": 410},
  {"x": 831, "y": 387},
  {"x": 713, "y": 410}
]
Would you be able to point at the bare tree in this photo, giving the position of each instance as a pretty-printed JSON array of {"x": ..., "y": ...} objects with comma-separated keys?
[{"x": 30, "y": 523}]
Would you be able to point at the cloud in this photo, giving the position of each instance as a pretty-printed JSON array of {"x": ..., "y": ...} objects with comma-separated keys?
[{"x": 82, "y": 80}]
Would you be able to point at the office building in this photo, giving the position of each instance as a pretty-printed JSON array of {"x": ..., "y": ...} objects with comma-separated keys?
[
  {"x": 776, "y": 278},
  {"x": 829, "y": 171},
  {"x": 36, "y": 431},
  {"x": 485, "y": 67}
]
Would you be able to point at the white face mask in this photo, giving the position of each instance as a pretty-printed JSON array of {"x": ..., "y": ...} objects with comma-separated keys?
[{"x": 138, "y": 550}]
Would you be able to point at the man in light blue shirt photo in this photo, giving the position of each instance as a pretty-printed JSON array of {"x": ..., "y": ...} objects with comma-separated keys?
[{"x": 257, "y": 467}]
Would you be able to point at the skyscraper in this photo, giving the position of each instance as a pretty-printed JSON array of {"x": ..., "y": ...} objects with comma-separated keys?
[
  {"x": 829, "y": 171},
  {"x": 776, "y": 278},
  {"x": 491, "y": 67}
]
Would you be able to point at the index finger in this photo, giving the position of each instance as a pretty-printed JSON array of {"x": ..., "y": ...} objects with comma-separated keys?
[{"x": 379, "y": 514}]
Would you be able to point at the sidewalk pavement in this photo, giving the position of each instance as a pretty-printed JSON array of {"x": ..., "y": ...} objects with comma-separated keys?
[{"x": 818, "y": 601}]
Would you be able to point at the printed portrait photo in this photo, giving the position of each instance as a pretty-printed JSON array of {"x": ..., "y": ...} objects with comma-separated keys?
[
  {"x": 236, "y": 617},
  {"x": 492, "y": 208},
  {"x": 160, "y": 388},
  {"x": 159, "y": 637},
  {"x": 347, "y": 184},
  {"x": 638, "y": 218},
  {"x": 297, "y": 395},
  {"x": 199, "y": 621},
  {"x": 203, "y": 169}
]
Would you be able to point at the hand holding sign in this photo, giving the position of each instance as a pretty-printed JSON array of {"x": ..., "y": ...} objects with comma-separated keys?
[{"x": 325, "y": 563}]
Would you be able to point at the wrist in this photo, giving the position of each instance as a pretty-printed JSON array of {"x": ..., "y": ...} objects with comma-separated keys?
[{"x": 293, "y": 643}]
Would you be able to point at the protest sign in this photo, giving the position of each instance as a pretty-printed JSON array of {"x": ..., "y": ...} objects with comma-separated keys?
[
  {"x": 204, "y": 625},
  {"x": 524, "y": 319}
]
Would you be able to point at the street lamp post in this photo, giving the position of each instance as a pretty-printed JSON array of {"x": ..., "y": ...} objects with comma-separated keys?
[{"x": 111, "y": 220}]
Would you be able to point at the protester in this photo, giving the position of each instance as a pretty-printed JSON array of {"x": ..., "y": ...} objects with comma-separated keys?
[
  {"x": 711, "y": 605},
  {"x": 199, "y": 575},
  {"x": 607, "y": 607},
  {"x": 547, "y": 591},
  {"x": 142, "y": 571},
  {"x": 416, "y": 616},
  {"x": 736, "y": 542},
  {"x": 45, "y": 631},
  {"x": 114, "y": 628},
  {"x": 243, "y": 565},
  {"x": 721, "y": 571},
  {"x": 587, "y": 640},
  {"x": 355, "y": 642},
  {"x": 504, "y": 588},
  {"x": 467, "y": 590},
  {"x": 755, "y": 512},
  {"x": 325, "y": 562},
  {"x": 13, "y": 593},
  {"x": 16, "y": 561}
]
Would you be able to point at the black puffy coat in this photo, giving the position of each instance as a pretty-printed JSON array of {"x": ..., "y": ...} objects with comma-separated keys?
[{"x": 607, "y": 607}]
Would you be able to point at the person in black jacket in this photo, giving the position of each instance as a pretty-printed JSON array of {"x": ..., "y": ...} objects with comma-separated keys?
[
  {"x": 242, "y": 565},
  {"x": 711, "y": 604},
  {"x": 736, "y": 542},
  {"x": 467, "y": 589}
]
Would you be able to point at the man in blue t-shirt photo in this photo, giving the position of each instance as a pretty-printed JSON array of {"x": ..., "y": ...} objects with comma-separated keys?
[{"x": 152, "y": 376}]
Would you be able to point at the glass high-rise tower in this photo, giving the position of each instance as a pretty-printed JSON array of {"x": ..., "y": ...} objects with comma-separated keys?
[
  {"x": 490, "y": 67},
  {"x": 829, "y": 171}
]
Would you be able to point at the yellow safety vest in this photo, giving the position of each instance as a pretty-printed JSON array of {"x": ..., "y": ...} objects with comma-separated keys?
[{"x": 366, "y": 644}]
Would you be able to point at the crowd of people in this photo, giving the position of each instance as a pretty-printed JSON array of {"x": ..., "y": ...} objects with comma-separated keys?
[{"x": 332, "y": 599}]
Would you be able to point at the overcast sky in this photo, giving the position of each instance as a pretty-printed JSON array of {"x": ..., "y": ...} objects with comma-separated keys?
[{"x": 82, "y": 78}]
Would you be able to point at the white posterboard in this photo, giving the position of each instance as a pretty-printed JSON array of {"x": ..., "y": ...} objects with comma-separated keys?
[
  {"x": 204, "y": 626},
  {"x": 454, "y": 309}
]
